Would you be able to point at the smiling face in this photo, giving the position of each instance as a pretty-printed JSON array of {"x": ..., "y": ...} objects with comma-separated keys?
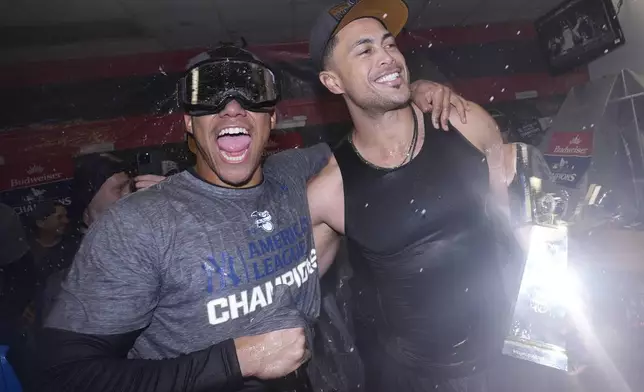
[
  {"x": 367, "y": 67},
  {"x": 230, "y": 144}
]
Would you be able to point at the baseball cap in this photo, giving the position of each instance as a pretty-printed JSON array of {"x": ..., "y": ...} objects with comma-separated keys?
[{"x": 391, "y": 13}]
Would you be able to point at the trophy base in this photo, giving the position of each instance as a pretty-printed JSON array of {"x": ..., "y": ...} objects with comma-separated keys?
[{"x": 540, "y": 353}]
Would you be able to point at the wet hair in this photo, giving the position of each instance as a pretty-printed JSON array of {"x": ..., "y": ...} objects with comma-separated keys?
[{"x": 328, "y": 52}]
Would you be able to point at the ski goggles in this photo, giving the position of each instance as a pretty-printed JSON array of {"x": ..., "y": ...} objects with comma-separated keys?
[{"x": 209, "y": 86}]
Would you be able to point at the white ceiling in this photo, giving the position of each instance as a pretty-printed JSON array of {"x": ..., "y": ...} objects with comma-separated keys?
[{"x": 52, "y": 29}]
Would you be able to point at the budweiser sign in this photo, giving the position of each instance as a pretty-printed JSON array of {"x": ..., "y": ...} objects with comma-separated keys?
[
  {"x": 569, "y": 156},
  {"x": 26, "y": 200},
  {"x": 571, "y": 144},
  {"x": 33, "y": 174}
]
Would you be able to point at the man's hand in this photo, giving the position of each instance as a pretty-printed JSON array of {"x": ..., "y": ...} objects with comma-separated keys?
[
  {"x": 438, "y": 99},
  {"x": 272, "y": 355},
  {"x": 114, "y": 188},
  {"x": 147, "y": 180}
]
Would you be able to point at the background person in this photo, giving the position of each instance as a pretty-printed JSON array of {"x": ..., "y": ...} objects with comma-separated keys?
[
  {"x": 18, "y": 278},
  {"x": 51, "y": 244},
  {"x": 99, "y": 182},
  {"x": 18, "y": 287}
]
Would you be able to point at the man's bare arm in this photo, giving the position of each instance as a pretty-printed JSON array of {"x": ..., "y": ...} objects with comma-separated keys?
[
  {"x": 327, "y": 243},
  {"x": 483, "y": 132},
  {"x": 439, "y": 100},
  {"x": 325, "y": 198}
]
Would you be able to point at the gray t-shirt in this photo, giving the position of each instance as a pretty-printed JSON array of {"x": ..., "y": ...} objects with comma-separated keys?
[{"x": 192, "y": 263}]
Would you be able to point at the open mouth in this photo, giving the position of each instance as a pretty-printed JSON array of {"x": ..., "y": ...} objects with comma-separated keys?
[
  {"x": 391, "y": 79},
  {"x": 233, "y": 143}
]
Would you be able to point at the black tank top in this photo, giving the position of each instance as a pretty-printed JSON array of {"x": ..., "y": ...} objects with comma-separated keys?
[{"x": 427, "y": 278}]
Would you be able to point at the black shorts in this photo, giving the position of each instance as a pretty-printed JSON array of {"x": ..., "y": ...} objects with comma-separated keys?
[
  {"x": 384, "y": 373},
  {"x": 502, "y": 375},
  {"x": 386, "y": 376}
]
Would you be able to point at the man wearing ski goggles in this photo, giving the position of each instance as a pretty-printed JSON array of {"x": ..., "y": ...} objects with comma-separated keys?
[
  {"x": 209, "y": 280},
  {"x": 211, "y": 83}
]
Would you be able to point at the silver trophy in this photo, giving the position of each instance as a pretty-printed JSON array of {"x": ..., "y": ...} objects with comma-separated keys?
[
  {"x": 538, "y": 328},
  {"x": 536, "y": 200}
]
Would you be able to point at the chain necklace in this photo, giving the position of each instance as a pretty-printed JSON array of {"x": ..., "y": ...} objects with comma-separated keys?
[{"x": 408, "y": 157}]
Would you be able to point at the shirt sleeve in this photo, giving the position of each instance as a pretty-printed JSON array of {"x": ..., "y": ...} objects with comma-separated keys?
[
  {"x": 302, "y": 163},
  {"x": 74, "y": 362},
  {"x": 113, "y": 284},
  {"x": 106, "y": 301}
]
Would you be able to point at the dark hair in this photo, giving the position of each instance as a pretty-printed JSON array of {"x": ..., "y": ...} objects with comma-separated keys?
[
  {"x": 42, "y": 211},
  {"x": 328, "y": 52}
]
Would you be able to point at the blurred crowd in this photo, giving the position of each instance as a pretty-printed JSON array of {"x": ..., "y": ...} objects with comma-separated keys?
[{"x": 37, "y": 249}]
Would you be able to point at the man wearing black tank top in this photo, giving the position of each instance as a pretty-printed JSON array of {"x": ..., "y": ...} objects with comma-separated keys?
[{"x": 420, "y": 209}]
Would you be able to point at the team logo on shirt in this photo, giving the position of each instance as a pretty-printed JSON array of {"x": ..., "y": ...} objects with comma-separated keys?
[
  {"x": 240, "y": 279},
  {"x": 263, "y": 220}
]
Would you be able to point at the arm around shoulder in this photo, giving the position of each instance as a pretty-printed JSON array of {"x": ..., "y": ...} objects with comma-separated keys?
[
  {"x": 480, "y": 129},
  {"x": 303, "y": 162},
  {"x": 483, "y": 132},
  {"x": 326, "y": 204}
]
